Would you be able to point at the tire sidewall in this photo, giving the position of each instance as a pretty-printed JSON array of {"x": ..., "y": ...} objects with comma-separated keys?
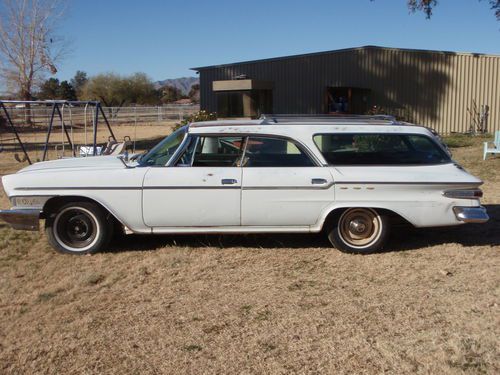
[{"x": 97, "y": 215}]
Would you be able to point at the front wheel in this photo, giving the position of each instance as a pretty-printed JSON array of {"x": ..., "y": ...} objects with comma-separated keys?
[
  {"x": 360, "y": 231},
  {"x": 78, "y": 228}
]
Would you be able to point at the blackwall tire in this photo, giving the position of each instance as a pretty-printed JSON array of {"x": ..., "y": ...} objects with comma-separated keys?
[
  {"x": 78, "y": 228},
  {"x": 359, "y": 231}
]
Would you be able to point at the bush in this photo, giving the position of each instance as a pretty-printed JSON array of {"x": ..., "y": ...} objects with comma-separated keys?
[
  {"x": 401, "y": 114},
  {"x": 195, "y": 117}
]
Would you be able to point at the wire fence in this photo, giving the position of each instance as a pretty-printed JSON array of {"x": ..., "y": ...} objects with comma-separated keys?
[{"x": 140, "y": 115}]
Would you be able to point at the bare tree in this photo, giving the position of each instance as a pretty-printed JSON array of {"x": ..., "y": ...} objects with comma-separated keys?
[
  {"x": 29, "y": 46},
  {"x": 427, "y": 6}
]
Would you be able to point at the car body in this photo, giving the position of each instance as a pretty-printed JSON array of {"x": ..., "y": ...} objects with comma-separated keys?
[{"x": 349, "y": 176}]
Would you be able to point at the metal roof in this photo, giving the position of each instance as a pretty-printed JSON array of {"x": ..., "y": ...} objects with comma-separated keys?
[{"x": 346, "y": 50}]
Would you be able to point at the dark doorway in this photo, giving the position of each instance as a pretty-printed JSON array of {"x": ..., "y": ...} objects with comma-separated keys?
[
  {"x": 246, "y": 103},
  {"x": 347, "y": 100}
]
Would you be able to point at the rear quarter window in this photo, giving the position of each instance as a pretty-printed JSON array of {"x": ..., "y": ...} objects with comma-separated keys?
[{"x": 379, "y": 149}]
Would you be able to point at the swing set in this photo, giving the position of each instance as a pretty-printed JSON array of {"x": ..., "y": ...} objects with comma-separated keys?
[{"x": 61, "y": 111}]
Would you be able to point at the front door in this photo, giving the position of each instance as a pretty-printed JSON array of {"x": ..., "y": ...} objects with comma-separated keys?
[
  {"x": 282, "y": 185},
  {"x": 202, "y": 189}
]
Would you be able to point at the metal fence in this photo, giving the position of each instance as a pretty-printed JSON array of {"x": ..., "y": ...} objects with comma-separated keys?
[{"x": 141, "y": 115}]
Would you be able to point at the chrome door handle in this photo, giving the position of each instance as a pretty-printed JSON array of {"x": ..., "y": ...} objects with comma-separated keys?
[
  {"x": 229, "y": 181},
  {"x": 318, "y": 181}
]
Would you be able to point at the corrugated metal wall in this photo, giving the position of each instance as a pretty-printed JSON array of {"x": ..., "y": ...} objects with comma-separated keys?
[{"x": 434, "y": 88}]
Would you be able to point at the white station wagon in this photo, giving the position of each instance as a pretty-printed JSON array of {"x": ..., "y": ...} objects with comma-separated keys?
[{"x": 348, "y": 176}]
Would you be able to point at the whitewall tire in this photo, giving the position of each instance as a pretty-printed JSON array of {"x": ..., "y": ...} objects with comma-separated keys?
[{"x": 78, "y": 228}]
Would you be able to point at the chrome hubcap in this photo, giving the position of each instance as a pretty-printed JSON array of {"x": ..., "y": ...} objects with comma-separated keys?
[{"x": 359, "y": 227}]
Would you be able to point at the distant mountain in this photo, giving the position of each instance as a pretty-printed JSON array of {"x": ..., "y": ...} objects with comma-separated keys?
[{"x": 184, "y": 84}]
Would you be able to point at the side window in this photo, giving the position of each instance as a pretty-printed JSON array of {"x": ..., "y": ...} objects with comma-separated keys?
[
  {"x": 379, "y": 149},
  {"x": 212, "y": 151},
  {"x": 274, "y": 152}
]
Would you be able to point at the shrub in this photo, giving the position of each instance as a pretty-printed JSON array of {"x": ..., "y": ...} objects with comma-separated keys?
[
  {"x": 401, "y": 114},
  {"x": 195, "y": 117}
]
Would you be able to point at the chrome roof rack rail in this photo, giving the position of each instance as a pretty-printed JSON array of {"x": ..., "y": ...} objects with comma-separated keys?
[{"x": 280, "y": 118}]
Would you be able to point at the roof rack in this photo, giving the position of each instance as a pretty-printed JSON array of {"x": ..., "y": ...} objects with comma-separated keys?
[{"x": 279, "y": 118}]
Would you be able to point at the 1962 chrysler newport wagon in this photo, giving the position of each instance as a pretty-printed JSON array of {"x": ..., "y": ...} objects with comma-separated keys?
[{"x": 348, "y": 176}]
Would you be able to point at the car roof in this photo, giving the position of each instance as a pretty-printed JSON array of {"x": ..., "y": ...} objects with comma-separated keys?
[{"x": 304, "y": 125}]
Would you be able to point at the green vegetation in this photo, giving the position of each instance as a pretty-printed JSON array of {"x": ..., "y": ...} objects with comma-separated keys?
[
  {"x": 195, "y": 117},
  {"x": 114, "y": 90},
  {"x": 52, "y": 89}
]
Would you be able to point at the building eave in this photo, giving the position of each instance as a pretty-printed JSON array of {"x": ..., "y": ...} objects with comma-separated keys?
[{"x": 452, "y": 53}]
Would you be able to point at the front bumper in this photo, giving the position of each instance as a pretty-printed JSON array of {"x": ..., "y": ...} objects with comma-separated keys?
[
  {"x": 24, "y": 219},
  {"x": 471, "y": 214}
]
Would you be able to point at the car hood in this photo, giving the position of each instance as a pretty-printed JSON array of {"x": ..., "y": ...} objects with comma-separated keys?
[{"x": 96, "y": 162}]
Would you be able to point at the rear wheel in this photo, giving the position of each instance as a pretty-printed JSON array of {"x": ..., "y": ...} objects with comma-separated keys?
[
  {"x": 359, "y": 230},
  {"x": 78, "y": 228}
]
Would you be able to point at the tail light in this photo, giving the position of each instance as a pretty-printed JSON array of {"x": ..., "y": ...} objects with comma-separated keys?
[{"x": 464, "y": 194}]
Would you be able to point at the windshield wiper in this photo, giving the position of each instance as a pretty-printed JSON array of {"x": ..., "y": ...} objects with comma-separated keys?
[{"x": 138, "y": 157}]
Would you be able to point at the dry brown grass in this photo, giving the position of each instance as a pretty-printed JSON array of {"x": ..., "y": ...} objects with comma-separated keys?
[{"x": 257, "y": 304}]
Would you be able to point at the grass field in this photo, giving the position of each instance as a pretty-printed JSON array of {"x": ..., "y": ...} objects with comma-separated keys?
[{"x": 257, "y": 304}]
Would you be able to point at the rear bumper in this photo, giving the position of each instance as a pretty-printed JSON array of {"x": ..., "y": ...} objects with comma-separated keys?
[
  {"x": 471, "y": 214},
  {"x": 25, "y": 219}
]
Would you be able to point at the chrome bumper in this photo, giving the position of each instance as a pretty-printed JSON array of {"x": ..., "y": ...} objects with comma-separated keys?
[
  {"x": 25, "y": 219},
  {"x": 471, "y": 214}
]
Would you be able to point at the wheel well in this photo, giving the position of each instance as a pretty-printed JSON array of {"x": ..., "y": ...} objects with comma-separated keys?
[
  {"x": 54, "y": 203},
  {"x": 334, "y": 215}
]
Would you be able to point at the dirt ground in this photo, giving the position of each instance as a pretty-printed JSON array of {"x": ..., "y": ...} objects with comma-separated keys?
[{"x": 257, "y": 304}]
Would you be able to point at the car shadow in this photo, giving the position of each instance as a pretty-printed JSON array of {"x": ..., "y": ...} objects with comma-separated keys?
[
  {"x": 486, "y": 234},
  {"x": 405, "y": 238}
]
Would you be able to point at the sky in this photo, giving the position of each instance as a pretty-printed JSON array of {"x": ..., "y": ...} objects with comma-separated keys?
[{"x": 166, "y": 38}]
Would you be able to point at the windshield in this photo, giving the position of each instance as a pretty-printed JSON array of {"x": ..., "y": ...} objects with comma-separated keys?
[{"x": 163, "y": 151}]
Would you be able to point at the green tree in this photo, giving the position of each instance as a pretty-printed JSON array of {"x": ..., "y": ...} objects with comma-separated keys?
[
  {"x": 194, "y": 93},
  {"x": 49, "y": 89},
  {"x": 78, "y": 81},
  {"x": 108, "y": 88},
  {"x": 170, "y": 94},
  {"x": 52, "y": 89},
  {"x": 114, "y": 90},
  {"x": 140, "y": 89},
  {"x": 66, "y": 91}
]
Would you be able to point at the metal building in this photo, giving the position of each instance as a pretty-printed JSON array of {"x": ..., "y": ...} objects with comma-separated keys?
[{"x": 449, "y": 91}]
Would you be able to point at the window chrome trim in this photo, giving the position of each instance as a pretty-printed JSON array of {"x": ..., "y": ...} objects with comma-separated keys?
[{"x": 177, "y": 152}]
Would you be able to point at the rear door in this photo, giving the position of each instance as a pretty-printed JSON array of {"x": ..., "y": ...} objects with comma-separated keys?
[{"x": 282, "y": 184}]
